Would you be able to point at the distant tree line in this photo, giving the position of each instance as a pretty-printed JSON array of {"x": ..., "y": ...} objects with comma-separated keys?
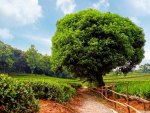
[
  {"x": 13, "y": 60},
  {"x": 145, "y": 68}
]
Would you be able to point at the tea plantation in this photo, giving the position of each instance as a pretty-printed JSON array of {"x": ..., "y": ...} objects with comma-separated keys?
[
  {"x": 21, "y": 92},
  {"x": 45, "y": 87},
  {"x": 139, "y": 84}
]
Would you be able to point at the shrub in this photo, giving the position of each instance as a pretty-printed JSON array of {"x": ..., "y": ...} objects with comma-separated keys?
[
  {"x": 16, "y": 97},
  {"x": 75, "y": 85},
  {"x": 68, "y": 92},
  {"x": 52, "y": 90}
]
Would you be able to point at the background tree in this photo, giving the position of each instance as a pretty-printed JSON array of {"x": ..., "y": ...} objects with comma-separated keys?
[
  {"x": 45, "y": 64},
  {"x": 13, "y": 60},
  {"x": 20, "y": 64},
  {"x": 145, "y": 68},
  {"x": 6, "y": 56},
  {"x": 32, "y": 58},
  {"x": 90, "y": 44}
]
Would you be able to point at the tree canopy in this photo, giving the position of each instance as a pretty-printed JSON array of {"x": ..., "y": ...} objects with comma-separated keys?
[
  {"x": 32, "y": 57},
  {"x": 6, "y": 55},
  {"x": 13, "y": 60},
  {"x": 90, "y": 44}
]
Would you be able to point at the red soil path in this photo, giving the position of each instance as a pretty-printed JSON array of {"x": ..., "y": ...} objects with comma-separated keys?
[{"x": 77, "y": 102}]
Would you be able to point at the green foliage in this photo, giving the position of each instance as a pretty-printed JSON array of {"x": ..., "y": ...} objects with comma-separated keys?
[
  {"x": 20, "y": 63},
  {"x": 13, "y": 61},
  {"x": 145, "y": 68},
  {"x": 6, "y": 55},
  {"x": 45, "y": 87},
  {"x": 142, "y": 90},
  {"x": 109, "y": 78},
  {"x": 75, "y": 85},
  {"x": 90, "y": 44},
  {"x": 52, "y": 91},
  {"x": 16, "y": 97},
  {"x": 44, "y": 64},
  {"x": 32, "y": 57},
  {"x": 139, "y": 84}
]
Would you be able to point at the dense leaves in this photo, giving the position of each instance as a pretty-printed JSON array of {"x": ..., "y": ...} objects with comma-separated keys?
[
  {"x": 6, "y": 55},
  {"x": 16, "y": 97},
  {"x": 52, "y": 91},
  {"x": 45, "y": 87},
  {"x": 32, "y": 57},
  {"x": 90, "y": 43},
  {"x": 13, "y": 60}
]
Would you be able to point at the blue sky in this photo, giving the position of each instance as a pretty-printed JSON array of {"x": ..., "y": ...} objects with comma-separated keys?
[{"x": 26, "y": 22}]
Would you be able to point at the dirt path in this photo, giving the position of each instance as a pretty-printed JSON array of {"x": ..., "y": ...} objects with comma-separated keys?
[
  {"x": 90, "y": 104},
  {"x": 84, "y": 102}
]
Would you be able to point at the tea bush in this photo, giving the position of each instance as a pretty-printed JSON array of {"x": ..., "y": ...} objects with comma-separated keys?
[
  {"x": 16, "y": 97},
  {"x": 51, "y": 90},
  {"x": 75, "y": 85},
  {"x": 45, "y": 87}
]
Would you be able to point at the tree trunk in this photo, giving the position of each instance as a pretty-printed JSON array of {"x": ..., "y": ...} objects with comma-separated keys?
[{"x": 100, "y": 81}]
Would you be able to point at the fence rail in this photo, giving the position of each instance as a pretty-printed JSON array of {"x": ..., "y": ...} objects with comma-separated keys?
[{"x": 104, "y": 95}]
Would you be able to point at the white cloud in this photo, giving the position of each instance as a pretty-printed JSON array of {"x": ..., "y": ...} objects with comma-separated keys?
[
  {"x": 66, "y": 6},
  {"x": 101, "y": 4},
  {"x": 5, "y": 34},
  {"x": 135, "y": 20},
  {"x": 147, "y": 46},
  {"x": 40, "y": 39},
  {"x": 146, "y": 58},
  {"x": 147, "y": 38},
  {"x": 140, "y": 6},
  {"x": 23, "y": 11},
  {"x": 147, "y": 55}
]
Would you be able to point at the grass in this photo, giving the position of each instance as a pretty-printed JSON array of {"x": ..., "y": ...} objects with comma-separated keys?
[
  {"x": 43, "y": 78},
  {"x": 130, "y": 77}
]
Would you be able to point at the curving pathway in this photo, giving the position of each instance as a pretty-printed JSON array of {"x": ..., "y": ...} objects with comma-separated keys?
[{"x": 91, "y": 105}]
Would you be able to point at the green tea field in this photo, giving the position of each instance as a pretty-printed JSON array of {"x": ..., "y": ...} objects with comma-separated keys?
[{"x": 139, "y": 84}]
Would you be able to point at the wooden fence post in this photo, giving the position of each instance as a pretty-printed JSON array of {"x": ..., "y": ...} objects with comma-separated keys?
[
  {"x": 127, "y": 97},
  {"x": 113, "y": 94}
]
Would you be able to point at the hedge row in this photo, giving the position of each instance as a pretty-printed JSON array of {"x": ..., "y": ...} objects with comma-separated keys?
[
  {"x": 16, "y": 97},
  {"x": 52, "y": 91},
  {"x": 20, "y": 96}
]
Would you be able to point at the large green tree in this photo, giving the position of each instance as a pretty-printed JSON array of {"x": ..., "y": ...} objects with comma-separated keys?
[{"x": 90, "y": 44}]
